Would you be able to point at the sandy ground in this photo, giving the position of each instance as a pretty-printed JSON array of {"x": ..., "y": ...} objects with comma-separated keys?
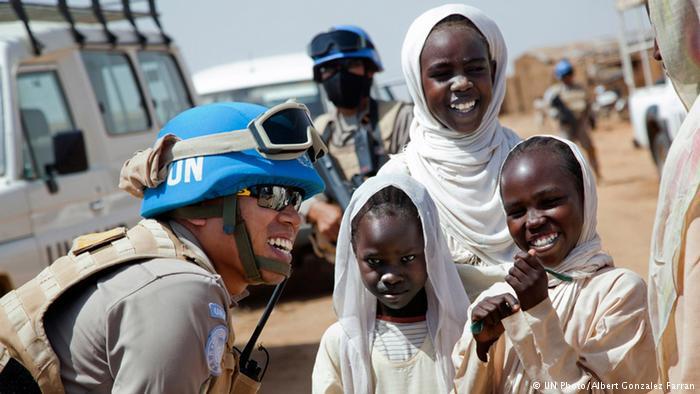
[{"x": 627, "y": 201}]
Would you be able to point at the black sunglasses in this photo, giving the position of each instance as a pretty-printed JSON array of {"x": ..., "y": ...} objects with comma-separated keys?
[{"x": 274, "y": 196}]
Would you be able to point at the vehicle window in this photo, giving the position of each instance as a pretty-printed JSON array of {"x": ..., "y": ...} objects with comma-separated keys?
[
  {"x": 305, "y": 92},
  {"x": 2, "y": 131},
  {"x": 43, "y": 113},
  {"x": 165, "y": 84},
  {"x": 117, "y": 92}
]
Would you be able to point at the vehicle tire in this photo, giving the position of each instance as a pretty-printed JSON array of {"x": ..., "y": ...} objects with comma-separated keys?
[{"x": 659, "y": 149}]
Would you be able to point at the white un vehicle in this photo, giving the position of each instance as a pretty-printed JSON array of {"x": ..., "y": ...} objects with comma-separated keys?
[{"x": 77, "y": 98}]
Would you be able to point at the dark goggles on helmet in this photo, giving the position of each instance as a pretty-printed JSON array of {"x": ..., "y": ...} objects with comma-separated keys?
[
  {"x": 274, "y": 196},
  {"x": 340, "y": 40},
  {"x": 283, "y": 132}
]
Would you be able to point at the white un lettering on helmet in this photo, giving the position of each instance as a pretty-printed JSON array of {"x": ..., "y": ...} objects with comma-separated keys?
[{"x": 186, "y": 170}]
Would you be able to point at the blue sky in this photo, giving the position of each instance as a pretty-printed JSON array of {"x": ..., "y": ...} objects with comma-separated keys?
[{"x": 212, "y": 32}]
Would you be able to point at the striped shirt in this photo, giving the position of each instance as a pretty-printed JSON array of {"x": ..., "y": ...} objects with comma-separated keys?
[{"x": 399, "y": 339}]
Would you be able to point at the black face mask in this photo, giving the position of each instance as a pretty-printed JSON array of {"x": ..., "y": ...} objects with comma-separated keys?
[{"x": 346, "y": 89}]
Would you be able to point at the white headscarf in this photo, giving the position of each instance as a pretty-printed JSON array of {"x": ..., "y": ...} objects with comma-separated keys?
[
  {"x": 355, "y": 306},
  {"x": 587, "y": 257},
  {"x": 460, "y": 170}
]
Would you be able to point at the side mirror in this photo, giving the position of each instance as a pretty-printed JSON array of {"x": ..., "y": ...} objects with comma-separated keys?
[{"x": 69, "y": 152}]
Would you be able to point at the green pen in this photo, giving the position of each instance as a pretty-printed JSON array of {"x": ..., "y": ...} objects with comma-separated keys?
[{"x": 477, "y": 326}]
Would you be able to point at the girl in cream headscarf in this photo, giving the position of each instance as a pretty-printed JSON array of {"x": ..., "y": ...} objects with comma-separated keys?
[
  {"x": 454, "y": 61},
  {"x": 572, "y": 321},
  {"x": 399, "y": 302}
]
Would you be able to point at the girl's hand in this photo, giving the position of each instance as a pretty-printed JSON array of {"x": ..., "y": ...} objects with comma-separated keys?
[
  {"x": 529, "y": 279},
  {"x": 490, "y": 311}
]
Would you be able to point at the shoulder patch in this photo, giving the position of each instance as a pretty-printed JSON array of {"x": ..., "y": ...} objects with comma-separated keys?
[
  {"x": 217, "y": 311},
  {"x": 214, "y": 349},
  {"x": 91, "y": 241}
]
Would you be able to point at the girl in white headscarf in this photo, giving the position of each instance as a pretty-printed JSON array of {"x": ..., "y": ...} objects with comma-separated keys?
[
  {"x": 397, "y": 296},
  {"x": 454, "y": 61},
  {"x": 572, "y": 321}
]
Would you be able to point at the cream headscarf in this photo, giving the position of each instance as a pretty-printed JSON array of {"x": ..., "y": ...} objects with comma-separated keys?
[
  {"x": 459, "y": 170},
  {"x": 677, "y": 28},
  {"x": 355, "y": 306},
  {"x": 587, "y": 257}
]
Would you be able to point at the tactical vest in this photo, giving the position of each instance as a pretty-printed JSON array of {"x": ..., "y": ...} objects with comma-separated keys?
[
  {"x": 574, "y": 99},
  {"x": 22, "y": 335},
  {"x": 383, "y": 127}
]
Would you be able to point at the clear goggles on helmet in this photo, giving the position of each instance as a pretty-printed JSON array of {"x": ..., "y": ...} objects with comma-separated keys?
[
  {"x": 283, "y": 132},
  {"x": 342, "y": 40},
  {"x": 274, "y": 196}
]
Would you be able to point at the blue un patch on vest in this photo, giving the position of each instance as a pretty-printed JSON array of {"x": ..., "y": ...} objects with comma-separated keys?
[
  {"x": 214, "y": 349},
  {"x": 217, "y": 311}
]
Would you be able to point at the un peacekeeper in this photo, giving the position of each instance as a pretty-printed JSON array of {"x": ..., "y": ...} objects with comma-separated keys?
[
  {"x": 148, "y": 309},
  {"x": 345, "y": 61},
  {"x": 572, "y": 106}
]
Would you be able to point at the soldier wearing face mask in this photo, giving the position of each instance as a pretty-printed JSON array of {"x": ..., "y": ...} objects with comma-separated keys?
[{"x": 360, "y": 131}]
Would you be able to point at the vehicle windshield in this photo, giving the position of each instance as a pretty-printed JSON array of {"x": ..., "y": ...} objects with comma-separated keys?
[{"x": 305, "y": 92}]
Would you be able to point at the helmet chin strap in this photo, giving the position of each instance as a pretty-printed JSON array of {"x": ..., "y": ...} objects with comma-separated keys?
[
  {"x": 252, "y": 264},
  {"x": 235, "y": 225}
]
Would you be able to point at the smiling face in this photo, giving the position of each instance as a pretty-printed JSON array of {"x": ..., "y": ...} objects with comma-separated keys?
[
  {"x": 457, "y": 76},
  {"x": 543, "y": 204},
  {"x": 391, "y": 258},
  {"x": 271, "y": 233}
]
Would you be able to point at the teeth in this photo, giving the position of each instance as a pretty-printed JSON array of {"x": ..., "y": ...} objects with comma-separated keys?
[
  {"x": 464, "y": 107},
  {"x": 281, "y": 243},
  {"x": 543, "y": 241}
]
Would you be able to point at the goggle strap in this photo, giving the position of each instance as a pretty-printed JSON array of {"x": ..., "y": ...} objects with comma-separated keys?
[{"x": 215, "y": 144}]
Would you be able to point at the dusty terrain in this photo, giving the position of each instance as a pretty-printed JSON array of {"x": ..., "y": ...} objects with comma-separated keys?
[{"x": 627, "y": 201}]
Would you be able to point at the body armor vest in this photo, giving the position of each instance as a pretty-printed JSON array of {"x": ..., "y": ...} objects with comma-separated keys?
[{"x": 22, "y": 335}]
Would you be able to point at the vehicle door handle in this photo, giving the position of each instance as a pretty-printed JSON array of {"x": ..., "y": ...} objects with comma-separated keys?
[{"x": 97, "y": 205}]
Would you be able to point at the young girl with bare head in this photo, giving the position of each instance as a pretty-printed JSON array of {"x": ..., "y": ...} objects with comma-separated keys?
[
  {"x": 454, "y": 61},
  {"x": 398, "y": 299},
  {"x": 566, "y": 318}
]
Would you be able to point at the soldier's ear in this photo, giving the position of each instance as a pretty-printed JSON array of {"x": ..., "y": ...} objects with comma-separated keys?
[{"x": 196, "y": 222}]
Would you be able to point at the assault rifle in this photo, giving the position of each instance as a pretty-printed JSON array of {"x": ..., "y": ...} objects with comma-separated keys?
[{"x": 337, "y": 187}]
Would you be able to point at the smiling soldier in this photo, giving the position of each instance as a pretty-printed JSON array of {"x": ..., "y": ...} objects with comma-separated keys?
[{"x": 148, "y": 309}]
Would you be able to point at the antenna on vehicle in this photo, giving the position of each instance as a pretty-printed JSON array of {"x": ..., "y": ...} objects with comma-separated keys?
[
  {"x": 130, "y": 17},
  {"x": 154, "y": 15},
  {"x": 65, "y": 11},
  {"x": 22, "y": 15},
  {"x": 99, "y": 15}
]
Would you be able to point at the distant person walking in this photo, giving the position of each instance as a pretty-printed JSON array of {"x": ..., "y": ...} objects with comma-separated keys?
[{"x": 573, "y": 110}]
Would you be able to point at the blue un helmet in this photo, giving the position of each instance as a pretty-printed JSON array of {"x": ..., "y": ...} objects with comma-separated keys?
[
  {"x": 224, "y": 148},
  {"x": 343, "y": 42},
  {"x": 563, "y": 68}
]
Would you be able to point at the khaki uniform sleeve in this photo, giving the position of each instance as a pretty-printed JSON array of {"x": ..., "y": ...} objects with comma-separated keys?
[
  {"x": 616, "y": 348},
  {"x": 688, "y": 354},
  {"x": 163, "y": 337},
  {"x": 325, "y": 378},
  {"x": 402, "y": 127},
  {"x": 472, "y": 375}
]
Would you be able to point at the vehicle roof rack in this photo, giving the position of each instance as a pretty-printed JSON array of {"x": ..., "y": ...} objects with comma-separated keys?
[{"x": 26, "y": 12}]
